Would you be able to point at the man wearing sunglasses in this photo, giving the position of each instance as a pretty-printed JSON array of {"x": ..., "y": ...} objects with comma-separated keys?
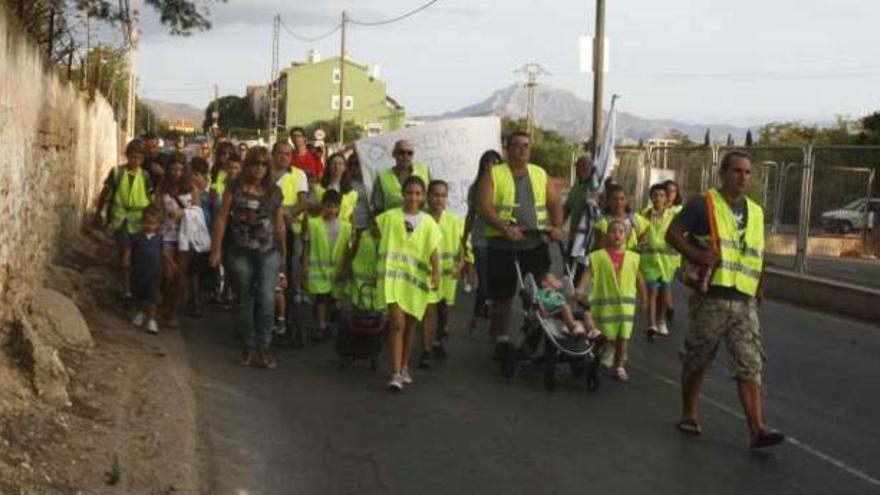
[{"x": 387, "y": 189}]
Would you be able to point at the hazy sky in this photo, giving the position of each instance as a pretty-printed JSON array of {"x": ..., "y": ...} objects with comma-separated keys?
[{"x": 741, "y": 62}]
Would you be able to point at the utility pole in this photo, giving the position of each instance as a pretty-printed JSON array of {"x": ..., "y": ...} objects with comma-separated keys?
[
  {"x": 342, "y": 81},
  {"x": 215, "y": 126},
  {"x": 130, "y": 32},
  {"x": 598, "y": 74},
  {"x": 273, "y": 82},
  {"x": 532, "y": 71}
]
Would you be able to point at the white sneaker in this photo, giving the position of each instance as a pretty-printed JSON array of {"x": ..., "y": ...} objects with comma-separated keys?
[
  {"x": 138, "y": 319},
  {"x": 396, "y": 383},
  {"x": 662, "y": 329},
  {"x": 279, "y": 327},
  {"x": 152, "y": 326},
  {"x": 594, "y": 333},
  {"x": 622, "y": 374},
  {"x": 406, "y": 377}
]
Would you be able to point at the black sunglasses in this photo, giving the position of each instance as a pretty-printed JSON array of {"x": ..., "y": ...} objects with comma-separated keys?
[{"x": 405, "y": 152}]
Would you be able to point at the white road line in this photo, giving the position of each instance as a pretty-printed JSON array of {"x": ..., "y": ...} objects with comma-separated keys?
[{"x": 853, "y": 471}]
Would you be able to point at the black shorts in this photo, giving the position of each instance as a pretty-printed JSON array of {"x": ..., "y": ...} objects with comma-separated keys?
[{"x": 502, "y": 270}]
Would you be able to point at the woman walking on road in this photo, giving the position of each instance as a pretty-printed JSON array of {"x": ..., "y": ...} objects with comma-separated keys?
[{"x": 252, "y": 212}]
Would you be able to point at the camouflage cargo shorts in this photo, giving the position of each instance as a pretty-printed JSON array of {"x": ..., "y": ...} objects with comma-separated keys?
[{"x": 712, "y": 320}]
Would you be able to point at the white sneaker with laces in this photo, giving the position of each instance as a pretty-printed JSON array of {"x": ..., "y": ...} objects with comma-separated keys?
[
  {"x": 621, "y": 374},
  {"x": 662, "y": 329},
  {"x": 138, "y": 319},
  {"x": 396, "y": 383},
  {"x": 406, "y": 377},
  {"x": 152, "y": 326}
]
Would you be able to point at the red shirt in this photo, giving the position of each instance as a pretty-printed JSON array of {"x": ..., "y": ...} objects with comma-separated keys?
[
  {"x": 309, "y": 163},
  {"x": 616, "y": 259}
]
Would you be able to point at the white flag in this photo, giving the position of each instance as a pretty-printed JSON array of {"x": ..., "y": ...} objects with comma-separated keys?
[{"x": 605, "y": 161}]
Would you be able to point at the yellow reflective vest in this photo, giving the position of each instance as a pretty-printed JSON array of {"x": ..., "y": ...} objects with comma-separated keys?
[
  {"x": 452, "y": 228},
  {"x": 219, "y": 184},
  {"x": 130, "y": 198},
  {"x": 504, "y": 198},
  {"x": 405, "y": 261},
  {"x": 742, "y": 250},
  {"x": 325, "y": 259},
  {"x": 392, "y": 193},
  {"x": 613, "y": 298},
  {"x": 290, "y": 185},
  {"x": 346, "y": 206},
  {"x": 362, "y": 287},
  {"x": 658, "y": 260}
]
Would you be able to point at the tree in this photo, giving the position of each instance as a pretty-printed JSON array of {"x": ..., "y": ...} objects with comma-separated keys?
[
  {"x": 707, "y": 139},
  {"x": 235, "y": 112},
  {"x": 730, "y": 142},
  {"x": 146, "y": 120},
  {"x": 682, "y": 138},
  {"x": 870, "y": 133},
  {"x": 749, "y": 138},
  {"x": 181, "y": 16}
]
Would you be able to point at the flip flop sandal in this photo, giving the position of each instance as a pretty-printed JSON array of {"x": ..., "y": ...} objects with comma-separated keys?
[
  {"x": 689, "y": 427},
  {"x": 768, "y": 439}
]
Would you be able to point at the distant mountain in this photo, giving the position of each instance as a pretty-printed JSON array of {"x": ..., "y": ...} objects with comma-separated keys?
[
  {"x": 564, "y": 112},
  {"x": 176, "y": 112}
]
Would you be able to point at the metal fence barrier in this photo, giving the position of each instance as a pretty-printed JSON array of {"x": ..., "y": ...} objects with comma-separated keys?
[{"x": 821, "y": 204}]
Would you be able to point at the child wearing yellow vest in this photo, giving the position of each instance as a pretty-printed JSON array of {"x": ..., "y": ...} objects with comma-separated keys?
[
  {"x": 657, "y": 264},
  {"x": 616, "y": 208},
  {"x": 360, "y": 271},
  {"x": 409, "y": 269},
  {"x": 451, "y": 257},
  {"x": 616, "y": 281},
  {"x": 324, "y": 249},
  {"x": 337, "y": 178}
]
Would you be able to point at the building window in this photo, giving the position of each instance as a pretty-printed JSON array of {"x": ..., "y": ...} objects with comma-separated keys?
[
  {"x": 337, "y": 76},
  {"x": 348, "y": 102},
  {"x": 334, "y": 102},
  {"x": 374, "y": 129}
]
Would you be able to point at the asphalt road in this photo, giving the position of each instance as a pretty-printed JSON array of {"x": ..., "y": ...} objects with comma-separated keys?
[
  {"x": 854, "y": 271},
  {"x": 313, "y": 428}
]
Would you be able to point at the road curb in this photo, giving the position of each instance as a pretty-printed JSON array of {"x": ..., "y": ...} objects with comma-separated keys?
[{"x": 823, "y": 294}]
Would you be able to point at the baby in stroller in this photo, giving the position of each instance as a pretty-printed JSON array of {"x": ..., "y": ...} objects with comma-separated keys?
[{"x": 553, "y": 304}]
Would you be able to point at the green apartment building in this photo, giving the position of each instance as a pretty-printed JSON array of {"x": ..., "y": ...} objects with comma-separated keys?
[{"x": 312, "y": 93}]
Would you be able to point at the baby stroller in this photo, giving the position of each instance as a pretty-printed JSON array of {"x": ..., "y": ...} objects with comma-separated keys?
[
  {"x": 361, "y": 329},
  {"x": 558, "y": 345}
]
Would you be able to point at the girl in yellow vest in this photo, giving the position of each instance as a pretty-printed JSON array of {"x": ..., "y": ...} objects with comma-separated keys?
[
  {"x": 451, "y": 258},
  {"x": 657, "y": 260},
  {"x": 126, "y": 194},
  {"x": 337, "y": 178},
  {"x": 409, "y": 269},
  {"x": 617, "y": 208},
  {"x": 675, "y": 202},
  {"x": 616, "y": 281},
  {"x": 324, "y": 249}
]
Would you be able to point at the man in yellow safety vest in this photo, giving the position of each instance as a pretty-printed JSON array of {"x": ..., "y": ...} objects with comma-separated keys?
[
  {"x": 723, "y": 231},
  {"x": 387, "y": 188},
  {"x": 516, "y": 200}
]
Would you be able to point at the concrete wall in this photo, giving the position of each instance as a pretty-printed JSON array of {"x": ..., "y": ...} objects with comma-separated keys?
[{"x": 55, "y": 149}]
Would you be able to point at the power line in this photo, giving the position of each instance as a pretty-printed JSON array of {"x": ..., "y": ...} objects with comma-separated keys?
[
  {"x": 394, "y": 19},
  {"x": 309, "y": 39}
]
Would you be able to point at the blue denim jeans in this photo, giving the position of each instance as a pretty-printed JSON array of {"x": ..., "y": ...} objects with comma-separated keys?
[{"x": 253, "y": 277}]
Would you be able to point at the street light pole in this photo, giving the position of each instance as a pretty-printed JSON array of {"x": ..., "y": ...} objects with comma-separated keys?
[
  {"x": 598, "y": 74},
  {"x": 342, "y": 82}
]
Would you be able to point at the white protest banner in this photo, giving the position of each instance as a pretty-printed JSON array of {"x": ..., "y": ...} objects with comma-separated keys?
[{"x": 451, "y": 149}]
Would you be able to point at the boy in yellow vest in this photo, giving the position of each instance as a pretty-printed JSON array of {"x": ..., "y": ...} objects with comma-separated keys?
[
  {"x": 126, "y": 194},
  {"x": 657, "y": 264},
  {"x": 324, "y": 249},
  {"x": 616, "y": 281},
  {"x": 451, "y": 256}
]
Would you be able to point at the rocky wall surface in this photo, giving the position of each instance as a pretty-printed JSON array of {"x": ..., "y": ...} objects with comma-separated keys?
[{"x": 56, "y": 146}]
